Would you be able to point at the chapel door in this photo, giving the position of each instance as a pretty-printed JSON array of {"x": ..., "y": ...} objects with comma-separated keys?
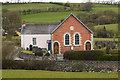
[
  {"x": 88, "y": 46},
  {"x": 56, "y": 48}
]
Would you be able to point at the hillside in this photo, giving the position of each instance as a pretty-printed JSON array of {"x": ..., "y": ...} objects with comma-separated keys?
[
  {"x": 18, "y": 7},
  {"x": 47, "y": 17},
  {"x": 111, "y": 27},
  {"x": 53, "y": 17}
]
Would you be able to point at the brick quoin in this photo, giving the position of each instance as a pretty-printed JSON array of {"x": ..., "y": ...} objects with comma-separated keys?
[{"x": 58, "y": 34}]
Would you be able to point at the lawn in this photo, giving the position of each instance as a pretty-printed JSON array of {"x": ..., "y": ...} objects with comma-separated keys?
[
  {"x": 54, "y": 74},
  {"x": 112, "y": 27}
]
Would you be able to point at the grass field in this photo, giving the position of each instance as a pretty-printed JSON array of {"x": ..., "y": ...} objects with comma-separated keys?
[
  {"x": 100, "y": 9},
  {"x": 55, "y": 17},
  {"x": 52, "y": 17},
  {"x": 105, "y": 39},
  {"x": 17, "y": 7},
  {"x": 49, "y": 17},
  {"x": 112, "y": 27},
  {"x": 54, "y": 74}
]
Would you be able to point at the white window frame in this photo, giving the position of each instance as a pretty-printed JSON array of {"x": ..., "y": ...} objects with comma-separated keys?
[
  {"x": 79, "y": 39},
  {"x": 35, "y": 40},
  {"x": 69, "y": 39}
]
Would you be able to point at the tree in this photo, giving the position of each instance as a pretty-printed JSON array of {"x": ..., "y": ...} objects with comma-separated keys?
[
  {"x": 86, "y": 7},
  {"x": 11, "y": 22},
  {"x": 104, "y": 20},
  {"x": 102, "y": 33}
]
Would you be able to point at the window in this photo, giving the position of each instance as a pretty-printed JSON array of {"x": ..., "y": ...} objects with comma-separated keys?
[
  {"x": 67, "y": 39},
  {"x": 34, "y": 41},
  {"x": 77, "y": 39}
]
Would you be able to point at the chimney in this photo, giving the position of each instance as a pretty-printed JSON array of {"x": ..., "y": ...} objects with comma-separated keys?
[{"x": 24, "y": 23}]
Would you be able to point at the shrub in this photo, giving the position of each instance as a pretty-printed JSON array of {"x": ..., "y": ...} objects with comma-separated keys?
[
  {"x": 109, "y": 57},
  {"x": 90, "y": 55},
  {"x": 47, "y": 54},
  {"x": 108, "y": 49},
  {"x": 84, "y": 55},
  {"x": 28, "y": 65},
  {"x": 115, "y": 51},
  {"x": 38, "y": 53}
]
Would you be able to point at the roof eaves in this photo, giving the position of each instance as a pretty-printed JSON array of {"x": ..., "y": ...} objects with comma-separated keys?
[
  {"x": 61, "y": 23},
  {"x": 83, "y": 24}
]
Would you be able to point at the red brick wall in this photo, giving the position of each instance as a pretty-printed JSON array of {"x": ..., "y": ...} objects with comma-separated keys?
[{"x": 58, "y": 35}]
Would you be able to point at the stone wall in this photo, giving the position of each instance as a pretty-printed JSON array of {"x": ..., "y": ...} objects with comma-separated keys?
[
  {"x": 74, "y": 65},
  {"x": 86, "y": 66}
]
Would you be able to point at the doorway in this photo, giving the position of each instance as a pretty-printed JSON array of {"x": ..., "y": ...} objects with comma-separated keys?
[
  {"x": 56, "y": 48},
  {"x": 88, "y": 46}
]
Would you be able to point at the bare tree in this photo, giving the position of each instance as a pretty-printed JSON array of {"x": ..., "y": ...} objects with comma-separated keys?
[{"x": 11, "y": 22}]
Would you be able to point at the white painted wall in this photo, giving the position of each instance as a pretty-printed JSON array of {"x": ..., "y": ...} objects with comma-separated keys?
[{"x": 41, "y": 40}]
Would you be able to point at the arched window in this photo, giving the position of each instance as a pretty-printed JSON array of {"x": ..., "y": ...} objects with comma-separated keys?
[
  {"x": 77, "y": 37},
  {"x": 67, "y": 41}
]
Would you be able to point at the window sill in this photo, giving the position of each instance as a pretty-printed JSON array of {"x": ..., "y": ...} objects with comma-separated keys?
[
  {"x": 78, "y": 45},
  {"x": 66, "y": 45}
]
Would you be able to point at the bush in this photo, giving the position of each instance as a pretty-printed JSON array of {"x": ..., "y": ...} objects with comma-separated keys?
[
  {"x": 28, "y": 65},
  {"x": 84, "y": 55},
  {"x": 89, "y": 55},
  {"x": 47, "y": 54},
  {"x": 38, "y": 53}
]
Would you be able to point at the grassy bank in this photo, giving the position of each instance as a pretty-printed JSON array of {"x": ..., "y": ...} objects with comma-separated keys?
[
  {"x": 54, "y": 74},
  {"x": 110, "y": 27}
]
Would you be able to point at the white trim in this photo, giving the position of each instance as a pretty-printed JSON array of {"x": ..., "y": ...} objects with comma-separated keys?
[
  {"x": 80, "y": 39},
  {"x": 69, "y": 39},
  {"x": 35, "y": 41},
  {"x": 92, "y": 41},
  {"x": 59, "y": 46},
  {"x": 85, "y": 44}
]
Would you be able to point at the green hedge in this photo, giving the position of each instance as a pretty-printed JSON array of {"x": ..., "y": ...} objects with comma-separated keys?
[{"x": 89, "y": 55}]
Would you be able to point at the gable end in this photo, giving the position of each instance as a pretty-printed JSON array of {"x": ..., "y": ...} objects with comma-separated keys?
[{"x": 75, "y": 18}]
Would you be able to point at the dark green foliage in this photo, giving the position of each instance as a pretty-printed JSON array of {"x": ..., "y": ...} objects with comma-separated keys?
[
  {"x": 84, "y": 55},
  {"x": 38, "y": 53},
  {"x": 86, "y": 7},
  {"x": 89, "y": 55},
  {"x": 47, "y": 54},
  {"x": 108, "y": 49},
  {"x": 67, "y": 5},
  {"x": 27, "y": 65},
  {"x": 110, "y": 57},
  {"x": 103, "y": 33}
]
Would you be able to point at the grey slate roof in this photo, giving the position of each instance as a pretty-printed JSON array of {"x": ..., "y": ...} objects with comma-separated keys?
[{"x": 38, "y": 28}]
